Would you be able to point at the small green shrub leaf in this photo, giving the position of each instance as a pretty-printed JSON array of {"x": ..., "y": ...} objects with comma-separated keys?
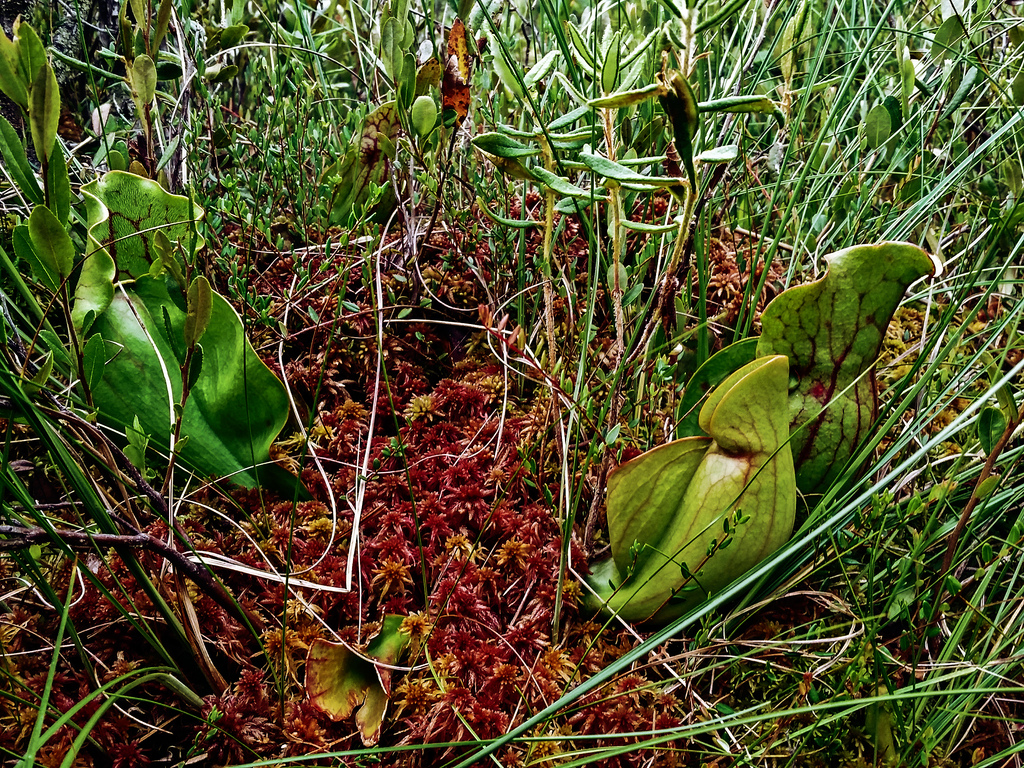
[
  {"x": 991, "y": 425},
  {"x": 40, "y": 377},
  {"x": 424, "y": 115},
  {"x": 500, "y": 145},
  {"x": 31, "y": 57},
  {"x": 94, "y": 358},
  {"x": 428, "y": 76},
  {"x": 560, "y": 186},
  {"x": 610, "y": 66},
  {"x": 609, "y": 169},
  {"x": 195, "y": 368},
  {"x": 392, "y": 35},
  {"x": 740, "y": 104},
  {"x": 233, "y": 35},
  {"x": 967, "y": 83},
  {"x": 948, "y": 35},
  {"x": 199, "y": 308},
  {"x": 163, "y": 20},
  {"x": 541, "y": 69},
  {"x": 12, "y": 82},
  {"x": 580, "y": 47},
  {"x": 144, "y": 81},
  {"x": 51, "y": 242},
  {"x": 16, "y": 162},
  {"x": 627, "y": 98},
  {"x": 724, "y": 154},
  {"x": 59, "y": 186},
  {"x": 877, "y": 126},
  {"x": 24, "y": 250}
]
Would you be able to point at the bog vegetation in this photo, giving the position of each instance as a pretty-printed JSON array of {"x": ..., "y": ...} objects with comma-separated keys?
[{"x": 613, "y": 383}]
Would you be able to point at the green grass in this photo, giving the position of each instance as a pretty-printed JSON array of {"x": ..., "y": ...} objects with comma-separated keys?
[{"x": 854, "y": 644}]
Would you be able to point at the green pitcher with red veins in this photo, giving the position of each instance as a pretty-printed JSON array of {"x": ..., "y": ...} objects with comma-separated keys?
[
  {"x": 832, "y": 331},
  {"x": 688, "y": 517},
  {"x": 791, "y": 418}
]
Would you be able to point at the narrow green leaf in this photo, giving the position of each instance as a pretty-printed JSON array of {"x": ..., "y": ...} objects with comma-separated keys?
[
  {"x": 12, "y": 84},
  {"x": 59, "y": 185},
  {"x": 139, "y": 8},
  {"x": 628, "y": 98},
  {"x": 962, "y": 92},
  {"x": 195, "y": 368},
  {"x": 200, "y": 305},
  {"x": 500, "y": 145},
  {"x": 163, "y": 20},
  {"x": 561, "y": 186},
  {"x": 24, "y": 250},
  {"x": 650, "y": 229},
  {"x": 541, "y": 69},
  {"x": 40, "y": 377},
  {"x": 907, "y": 80},
  {"x": 16, "y": 162},
  {"x": 569, "y": 118},
  {"x": 44, "y": 113},
  {"x": 740, "y": 104},
  {"x": 31, "y": 55},
  {"x": 790, "y": 44},
  {"x": 610, "y": 66},
  {"x": 724, "y": 154},
  {"x": 514, "y": 223},
  {"x": 392, "y": 34},
  {"x": 609, "y": 169},
  {"x": 579, "y": 47}
]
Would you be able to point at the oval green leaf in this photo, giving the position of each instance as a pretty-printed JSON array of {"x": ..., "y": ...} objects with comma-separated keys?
[{"x": 51, "y": 241}]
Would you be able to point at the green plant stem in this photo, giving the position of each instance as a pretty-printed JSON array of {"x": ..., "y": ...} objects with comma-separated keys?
[
  {"x": 618, "y": 231},
  {"x": 437, "y": 202},
  {"x": 663, "y": 306},
  {"x": 553, "y": 361},
  {"x": 179, "y": 418}
]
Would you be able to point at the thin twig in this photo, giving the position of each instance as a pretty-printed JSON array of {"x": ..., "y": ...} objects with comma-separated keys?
[
  {"x": 954, "y": 537},
  {"x": 16, "y": 537}
]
